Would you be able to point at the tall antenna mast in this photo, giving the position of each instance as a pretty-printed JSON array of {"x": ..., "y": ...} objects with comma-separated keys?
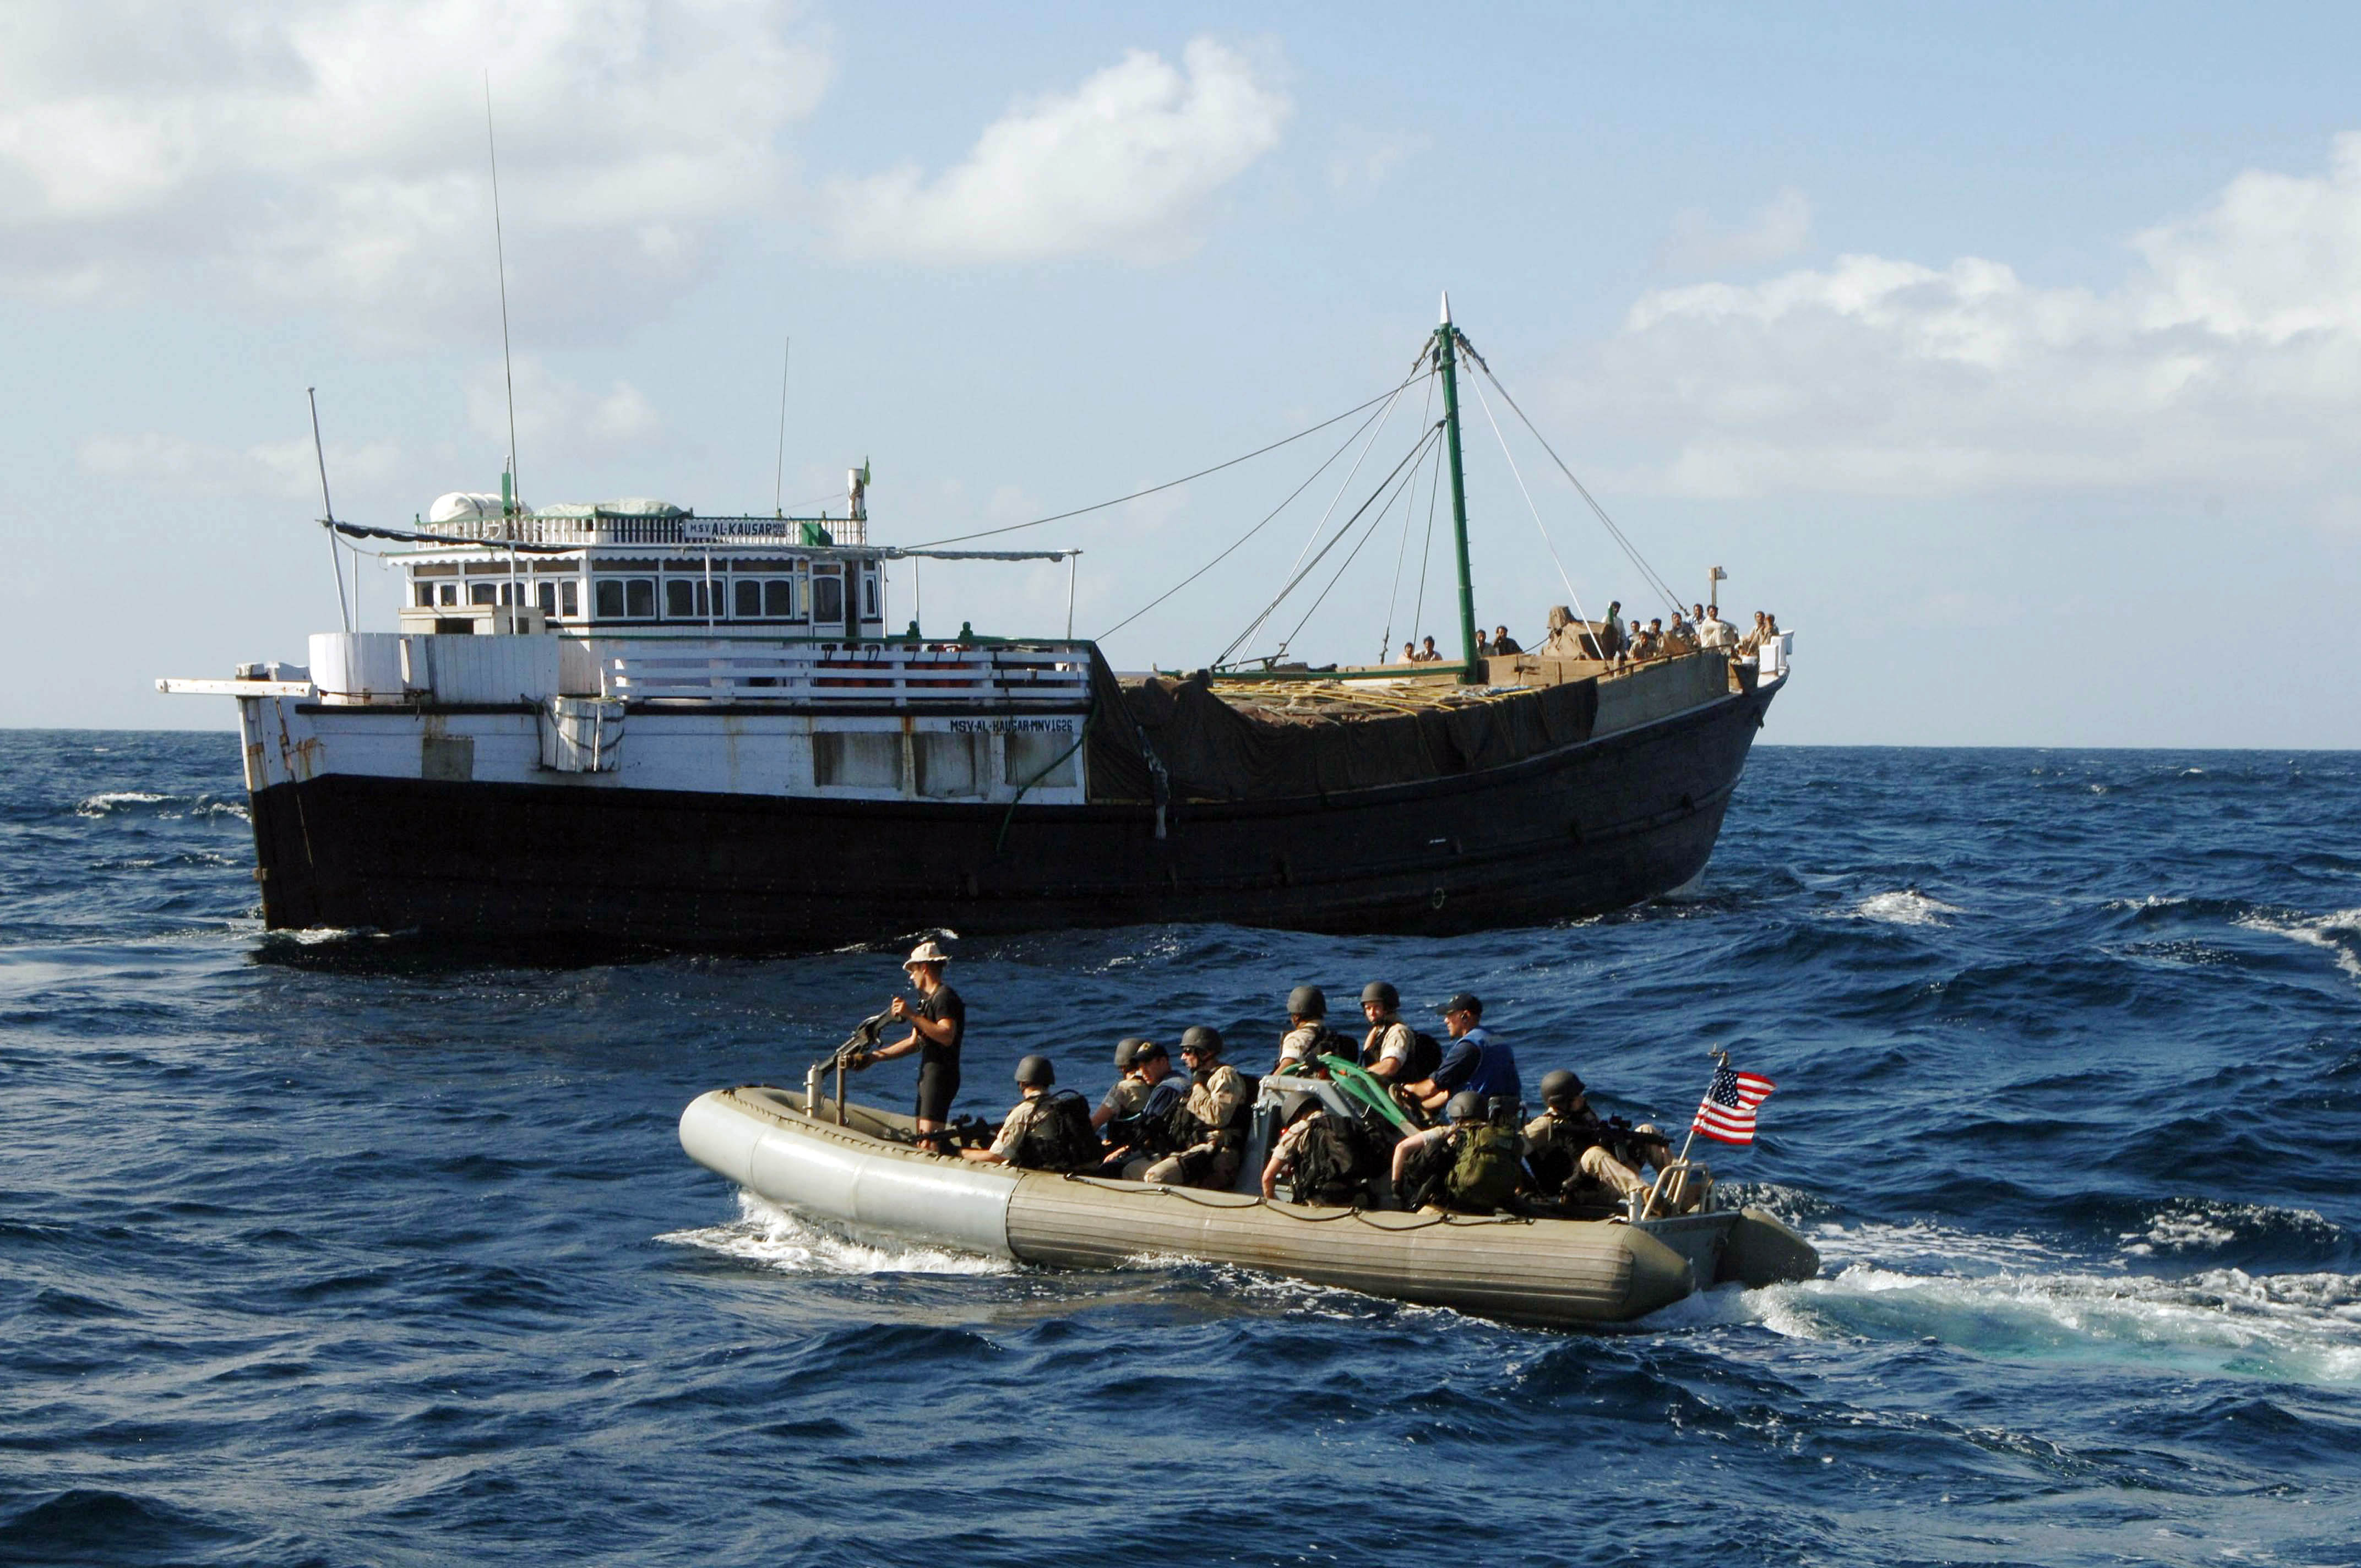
[
  {"x": 779, "y": 473},
  {"x": 329, "y": 522},
  {"x": 499, "y": 254},
  {"x": 1446, "y": 342}
]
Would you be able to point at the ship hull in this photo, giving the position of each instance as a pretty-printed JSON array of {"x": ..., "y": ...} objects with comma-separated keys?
[{"x": 1579, "y": 831}]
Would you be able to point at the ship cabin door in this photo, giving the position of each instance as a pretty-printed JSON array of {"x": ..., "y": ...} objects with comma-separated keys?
[{"x": 828, "y": 599}]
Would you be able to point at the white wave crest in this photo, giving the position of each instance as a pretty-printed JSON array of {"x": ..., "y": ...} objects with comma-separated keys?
[
  {"x": 781, "y": 1239},
  {"x": 1907, "y": 907},
  {"x": 2203, "y": 1224},
  {"x": 115, "y": 800},
  {"x": 2299, "y": 1327},
  {"x": 2338, "y": 933}
]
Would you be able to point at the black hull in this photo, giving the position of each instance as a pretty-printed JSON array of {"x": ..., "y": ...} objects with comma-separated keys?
[{"x": 1581, "y": 831}]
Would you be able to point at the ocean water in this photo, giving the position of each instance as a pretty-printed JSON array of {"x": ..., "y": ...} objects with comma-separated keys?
[{"x": 327, "y": 1250}]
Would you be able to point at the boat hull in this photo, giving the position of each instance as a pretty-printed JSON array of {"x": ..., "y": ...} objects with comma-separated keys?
[
  {"x": 1581, "y": 831},
  {"x": 1552, "y": 1273}
]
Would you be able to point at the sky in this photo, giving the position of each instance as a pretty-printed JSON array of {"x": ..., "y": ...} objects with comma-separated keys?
[{"x": 2010, "y": 354}]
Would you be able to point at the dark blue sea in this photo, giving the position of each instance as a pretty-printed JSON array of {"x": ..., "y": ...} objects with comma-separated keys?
[{"x": 323, "y": 1250}]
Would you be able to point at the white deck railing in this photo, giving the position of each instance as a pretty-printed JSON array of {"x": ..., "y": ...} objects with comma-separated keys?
[
  {"x": 625, "y": 529},
  {"x": 876, "y": 672}
]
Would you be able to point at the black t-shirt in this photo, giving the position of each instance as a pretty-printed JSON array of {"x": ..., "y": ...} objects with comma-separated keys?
[{"x": 943, "y": 1004}]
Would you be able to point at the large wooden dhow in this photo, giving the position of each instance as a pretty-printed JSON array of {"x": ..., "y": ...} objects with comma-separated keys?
[{"x": 626, "y": 724}]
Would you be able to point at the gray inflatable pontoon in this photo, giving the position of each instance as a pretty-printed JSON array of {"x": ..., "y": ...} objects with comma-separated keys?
[{"x": 1558, "y": 1273}]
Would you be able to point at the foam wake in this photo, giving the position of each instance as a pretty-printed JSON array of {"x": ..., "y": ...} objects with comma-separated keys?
[
  {"x": 2302, "y": 1328},
  {"x": 2021, "y": 1298},
  {"x": 771, "y": 1237}
]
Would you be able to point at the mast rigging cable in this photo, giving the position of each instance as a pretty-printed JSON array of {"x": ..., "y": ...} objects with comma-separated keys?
[
  {"x": 1383, "y": 485},
  {"x": 1168, "y": 484}
]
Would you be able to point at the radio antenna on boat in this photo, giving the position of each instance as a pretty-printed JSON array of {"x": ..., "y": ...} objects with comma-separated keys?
[
  {"x": 329, "y": 521},
  {"x": 501, "y": 257},
  {"x": 779, "y": 470}
]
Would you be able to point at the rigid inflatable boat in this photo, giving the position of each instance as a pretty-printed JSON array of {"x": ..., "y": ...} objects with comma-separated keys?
[{"x": 856, "y": 1165}]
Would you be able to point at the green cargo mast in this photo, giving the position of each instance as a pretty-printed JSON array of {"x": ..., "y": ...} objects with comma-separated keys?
[{"x": 1446, "y": 358}]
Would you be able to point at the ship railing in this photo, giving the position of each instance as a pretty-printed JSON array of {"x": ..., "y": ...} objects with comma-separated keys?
[
  {"x": 624, "y": 528},
  {"x": 854, "y": 674}
]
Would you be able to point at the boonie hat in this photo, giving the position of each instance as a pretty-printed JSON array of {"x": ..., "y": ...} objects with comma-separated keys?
[{"x": 926, "y": 952}]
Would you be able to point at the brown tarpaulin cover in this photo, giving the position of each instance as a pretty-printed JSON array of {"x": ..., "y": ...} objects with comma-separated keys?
[{"x": 1212, "y": 750}]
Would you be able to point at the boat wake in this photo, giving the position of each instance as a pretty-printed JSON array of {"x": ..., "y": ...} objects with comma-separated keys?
[
  {"x": 2023, "y": 1298},
  {"x": 2303, "y": 1328},
  {"x": 780, "y": 1239}
]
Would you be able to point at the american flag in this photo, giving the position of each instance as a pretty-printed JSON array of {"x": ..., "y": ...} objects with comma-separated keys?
[{"x": 1728, "y": 1113}]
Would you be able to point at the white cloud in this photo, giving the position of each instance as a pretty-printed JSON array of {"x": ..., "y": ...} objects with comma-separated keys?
[
  {"x": 560, "y": 423},
  {"x": 278, "y": 469},
  {"x": 2230, "y": 353},
  {"x": 1123, "y": 166},
  {"x": 1364, "y": 160},
  {"x": 332, "y": 154},
  {"x": 1697, "y": 243}
]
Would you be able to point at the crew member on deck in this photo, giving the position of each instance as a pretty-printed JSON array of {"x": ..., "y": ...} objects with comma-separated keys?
[{"x": 938, "y": 1026}]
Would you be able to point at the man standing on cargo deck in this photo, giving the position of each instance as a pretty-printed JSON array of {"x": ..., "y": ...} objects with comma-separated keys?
[{"x": 938, "y": 1026}]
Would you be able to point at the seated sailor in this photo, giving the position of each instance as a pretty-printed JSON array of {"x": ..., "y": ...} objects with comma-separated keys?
[
  {"x": 1043, "y": 1131},
  {"x": 1473, "y": 1164},
  {"x": 1138, "y": 1133},
  {"x": 1475, "y": 1061},
  {"x": 1392, "y": 1049},
  {"x": 1324, "y": 1159},
  {"x": 1125, "y": 1096},
  {"x": 1213, "y": 1117},
  {"x": 1308, "y": 1036},
  {"x": 1574, "y": 1153}
]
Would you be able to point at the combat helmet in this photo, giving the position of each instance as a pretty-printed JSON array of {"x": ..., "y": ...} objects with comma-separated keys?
[{"x": 1203, "y": 1041}]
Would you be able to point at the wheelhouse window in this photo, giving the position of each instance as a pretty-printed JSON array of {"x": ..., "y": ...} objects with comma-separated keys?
[
  {"x": 762, "y": 598},
  {"x": 828, "y": 595},
  {"x": 684, "y": 599},
  {"x": 624, "y": 598},
  {"x": 869, "y": 593}
]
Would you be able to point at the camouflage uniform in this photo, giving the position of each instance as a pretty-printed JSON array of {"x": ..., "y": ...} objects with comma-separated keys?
[{"x": 1215, "y": 1101}]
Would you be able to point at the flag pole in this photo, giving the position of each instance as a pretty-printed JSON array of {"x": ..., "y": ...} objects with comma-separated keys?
[{"x": 1720, "y": 1060}]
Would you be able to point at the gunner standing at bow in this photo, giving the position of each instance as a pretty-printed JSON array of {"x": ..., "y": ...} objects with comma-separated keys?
[{"x": 938, "y": 1024}]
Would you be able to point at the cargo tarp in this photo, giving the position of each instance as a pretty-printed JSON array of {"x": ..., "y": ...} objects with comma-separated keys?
[{"x": 1211, "y": 750}]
